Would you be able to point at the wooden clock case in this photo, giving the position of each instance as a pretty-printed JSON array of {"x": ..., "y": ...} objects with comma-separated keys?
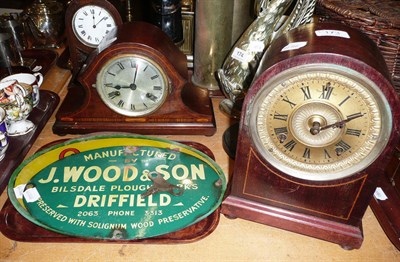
[
  {"x": 328, "y": 210},
  {"x": 78, "y": 51},
  {"x": 187, "y": 109}
]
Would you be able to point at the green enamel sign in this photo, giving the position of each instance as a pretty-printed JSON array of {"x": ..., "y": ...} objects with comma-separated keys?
[{"x": 117, "y": 187}]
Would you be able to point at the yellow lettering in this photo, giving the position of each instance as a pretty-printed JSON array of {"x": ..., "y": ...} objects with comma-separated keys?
[
  {"x": 184, "y": 173},
  {"x": 134, "y": 172},
  {"x": 198, "y": 172},
  {"x": 97, "y": 174},
  {"x": 80, "y": 201},
  {"x": 160, "y": 169},
  {"x": 108, "y": 170}
]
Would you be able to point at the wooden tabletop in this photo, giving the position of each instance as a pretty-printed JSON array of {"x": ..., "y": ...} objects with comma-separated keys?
[{"x": 233, "y": 240}]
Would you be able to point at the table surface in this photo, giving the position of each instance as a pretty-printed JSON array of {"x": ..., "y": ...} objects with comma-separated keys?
[{"x": 233, "y": 240}]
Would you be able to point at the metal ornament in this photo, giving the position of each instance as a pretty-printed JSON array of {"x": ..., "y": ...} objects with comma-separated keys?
[
  {"x": 238, "y": 69},
  {"x": 117, "y": 186},
  {"x": 167, "y": 15},
  {"x": 210, "y": 45},
  {"x": 44, "y": 20}
]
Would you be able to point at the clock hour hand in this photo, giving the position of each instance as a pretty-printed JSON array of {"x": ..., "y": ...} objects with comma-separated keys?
[
  {"x": 131, "y": 86},
  {"x": 118, "y": 87},
  {"x": 316, "y": 128},
  {"x": 94, "y": 21}
]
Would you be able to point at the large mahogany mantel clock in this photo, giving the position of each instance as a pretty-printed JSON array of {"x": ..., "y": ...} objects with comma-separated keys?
[
  {"x": 87, "y": 22},
  {"x": 136, "y": 81},
  {"x": 318, "y": 127}
]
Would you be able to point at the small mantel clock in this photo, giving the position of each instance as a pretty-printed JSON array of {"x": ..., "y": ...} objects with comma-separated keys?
[
  {"x": 87, "y": 22},
  {"x": 136, "y": 81},
  {"x": 318, "y": 127}
]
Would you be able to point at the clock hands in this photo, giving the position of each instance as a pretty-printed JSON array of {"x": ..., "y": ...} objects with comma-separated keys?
[
  {"x": 94, "y": 19},
  {"x": 341, "y": 124},
  {"x": 316, "y": 128},
  {"x": 136, "y": 92},
  {"x": 136, "y": 70},
  {"x": 131, "y": 86},
  {"x": 95, "y": 25}
]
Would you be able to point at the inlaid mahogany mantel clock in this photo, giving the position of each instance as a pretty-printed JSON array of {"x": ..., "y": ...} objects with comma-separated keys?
[
  {"x": 87, "y": 22},
  {"x": 318, "y": 127},
  {"x": 136, "y": 81}
]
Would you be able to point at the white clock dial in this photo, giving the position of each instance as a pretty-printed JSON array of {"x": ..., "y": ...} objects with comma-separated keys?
[
  {"x": 91, "y": 23},
  {"x": 132, "y": 85}
]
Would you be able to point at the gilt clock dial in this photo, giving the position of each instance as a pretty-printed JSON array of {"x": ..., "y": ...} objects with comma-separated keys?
[
  {"x": 132, "y": 85},
  {"x": 91, "y": 23},
  {"x": 320, "y": 123}
]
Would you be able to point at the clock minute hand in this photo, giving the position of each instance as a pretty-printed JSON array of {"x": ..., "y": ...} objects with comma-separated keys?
[
  {"x": 118, "y": 87},
  {"x": 341, "y": 124},
  {"x": 135, "y": 75},
  {"x": 98, "y": 22},
  {"x": 316, "y": 128}
]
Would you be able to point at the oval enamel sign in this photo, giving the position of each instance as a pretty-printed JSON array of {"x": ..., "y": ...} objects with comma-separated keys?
[{"x": 117, "y": 187}]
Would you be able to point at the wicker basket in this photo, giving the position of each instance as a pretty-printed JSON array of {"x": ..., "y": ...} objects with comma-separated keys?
[{"x": 379, "y": 19}]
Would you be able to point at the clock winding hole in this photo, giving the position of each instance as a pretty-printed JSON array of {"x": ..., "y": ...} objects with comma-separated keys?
[{"x": 309, "y": 119}]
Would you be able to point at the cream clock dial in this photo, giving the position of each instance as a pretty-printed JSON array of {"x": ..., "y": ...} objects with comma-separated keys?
[
  {"x": 320, "y": 122},
  {"x": 91, "y": 23},
  {"x": 132, "y": 85}
]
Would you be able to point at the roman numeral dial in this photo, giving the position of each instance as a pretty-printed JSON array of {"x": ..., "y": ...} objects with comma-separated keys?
[
  {"x": 91, "y": 23},
  {"x": 132, "y": 85},
  {"x": 316, "y": 122}
]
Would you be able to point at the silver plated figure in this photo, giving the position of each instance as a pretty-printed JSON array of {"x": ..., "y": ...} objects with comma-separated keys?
[{"x": 239, "y": 67}]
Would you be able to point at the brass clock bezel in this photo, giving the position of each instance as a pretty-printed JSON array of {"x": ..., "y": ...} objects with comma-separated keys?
[
  {"x": 118, "y": 110},
  {"x": 318, "y": 173}
]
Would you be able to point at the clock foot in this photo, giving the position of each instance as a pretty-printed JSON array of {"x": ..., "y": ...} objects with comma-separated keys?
[
  {"x": 345, "y": 247},
  {"x": 230, "y": 217},
  {"x": 347, "y": 236}
]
